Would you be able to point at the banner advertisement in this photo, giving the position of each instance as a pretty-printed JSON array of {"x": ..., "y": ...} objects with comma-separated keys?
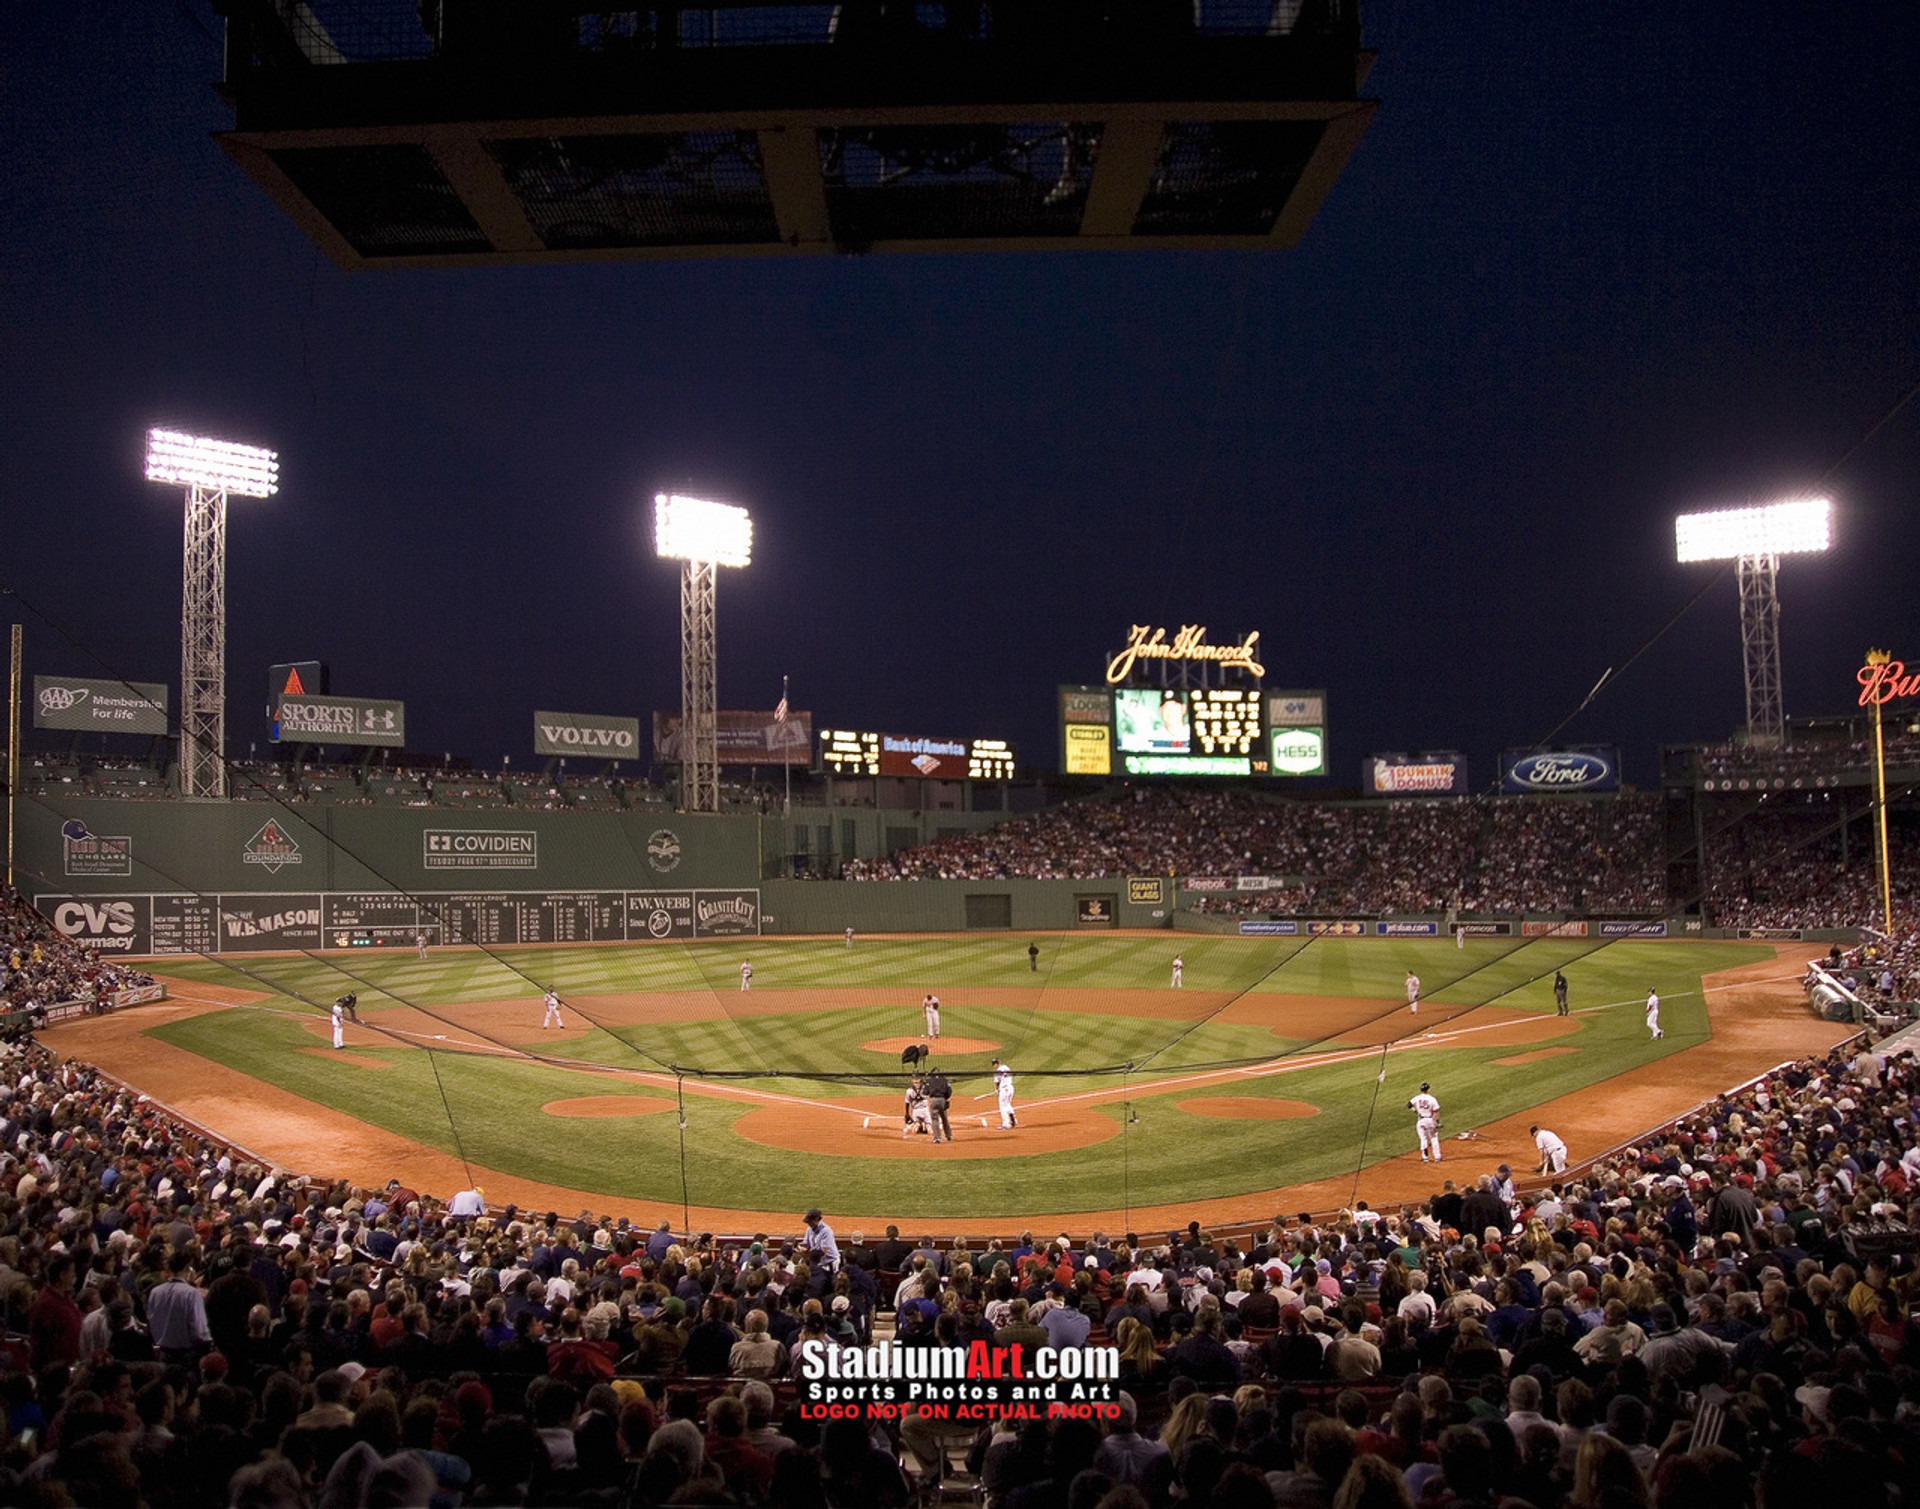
[
  {"x": 368, "y": 721},
  {"x": 1337, "y": 929},
  {"x": 1406, "y": 929},
  {"x": 1086, "y": 730},
  {"x": 136, "y": 995},
  {"x": 1485, "y": 929},
  {"x": 1443, "y": 773},
  {"x": 1553, "y": 930},
  {"x": 1633, "y": 929},
  {"x": 86, "y": 853},
  {"x": 1256, "y": 883},
  {"x": 103, "y": 707},
  {"x": 251, "y": 924},
  {"x": 1093, "y": 911},
  {"x": 1148, "y": 890},
  {"x": 178, "y": 923},
  {"x": 585, "y": 734},
  {"x": 1264, "y": 927},
  {"x": 743, "y": 737},
  {"x": 929, "y": 759},
  {"x": 1771, "y": 934},
  {"x": 479, "y": 849},
  {"x": 1207, "y": 883},
  {"x": 1590, "y": 767}
]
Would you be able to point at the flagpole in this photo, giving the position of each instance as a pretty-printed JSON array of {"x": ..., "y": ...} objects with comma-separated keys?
[{"x": 786, "y": 765}]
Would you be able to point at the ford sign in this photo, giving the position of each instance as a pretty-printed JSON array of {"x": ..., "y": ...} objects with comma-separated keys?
[{"x": 1595, "y": 769}]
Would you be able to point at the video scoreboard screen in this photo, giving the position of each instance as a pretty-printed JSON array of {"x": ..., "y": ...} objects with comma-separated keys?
[
  {"x": 845, "y": 752},
  {"x": 1192, "y": 731}
]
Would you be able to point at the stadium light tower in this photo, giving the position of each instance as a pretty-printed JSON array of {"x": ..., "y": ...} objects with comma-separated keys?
[
  {"x": 1756, "y": 538},
  {"x": 703, "y": 536},
  {"x": 209, "y": 470}
]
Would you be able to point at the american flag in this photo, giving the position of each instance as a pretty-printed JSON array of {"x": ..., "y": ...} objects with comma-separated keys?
[{"x": 780, "y": 712}]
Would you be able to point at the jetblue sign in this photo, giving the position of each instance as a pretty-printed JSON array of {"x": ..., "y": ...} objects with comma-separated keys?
[{"x": 1591, "y": 768}]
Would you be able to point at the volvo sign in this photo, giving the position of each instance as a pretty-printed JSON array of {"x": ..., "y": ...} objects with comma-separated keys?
[{"x": 585, "y": 734}]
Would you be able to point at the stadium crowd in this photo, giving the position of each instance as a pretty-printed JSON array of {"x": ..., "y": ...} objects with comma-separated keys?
[
  {"x": 1481, "y": 853},
  {"x": 40, "y": 967},
  {"x": 1720, "y": 1317}
]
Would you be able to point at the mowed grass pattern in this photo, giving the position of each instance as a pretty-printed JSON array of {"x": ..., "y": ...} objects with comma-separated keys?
[{"x": 489, "y": 1108}]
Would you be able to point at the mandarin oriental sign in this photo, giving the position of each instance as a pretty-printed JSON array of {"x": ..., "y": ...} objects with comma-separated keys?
[{"x": 1147, "y": 643}]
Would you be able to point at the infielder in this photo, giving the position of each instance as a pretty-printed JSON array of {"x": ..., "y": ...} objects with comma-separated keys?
[
  {"x": 552, "y": 1018},
  {"x": 1176, "y": 971},
  {"x": 930, "y": 1009},
  {"x": 1559, "y": 993},
  {"x": 1653, "y": 1014},
  {"x": 746, "y": 976},
  {"x": 1003, "y": 1091},
  {"x": 1553, "y": 1152},
  {"x": 1413, "y": 992},
  {"x": 339, "y": 1029},
  {"x": 1426, "y": 1113}
]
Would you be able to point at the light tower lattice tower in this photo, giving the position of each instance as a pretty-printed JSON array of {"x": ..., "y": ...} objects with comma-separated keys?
[
  {"x": 209, "y": 470},
  {"x": 1755, "y": 539},
  {"x": 702, "y": 536}
]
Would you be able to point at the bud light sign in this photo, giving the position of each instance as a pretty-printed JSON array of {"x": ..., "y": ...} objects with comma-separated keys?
[{"x": 1590, "y": 768}]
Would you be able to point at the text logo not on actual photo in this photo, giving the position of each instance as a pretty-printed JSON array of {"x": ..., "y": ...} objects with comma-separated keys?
[
  {"x": 663, "y": 849},
  {"x": 272, "y": 848}
]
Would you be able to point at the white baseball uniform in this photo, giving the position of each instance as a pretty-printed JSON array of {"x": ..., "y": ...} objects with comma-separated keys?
[
  {"x": 1003, "y": 1087},
  {"x": 1426, "y": 1112},
  {"x": 1413, "y": 991},
  {"x": 746, "y": 977},
  {"x": 1553, "y": 1152},
  {"x": 1653, "y": 1014},
  {"x": 552, "y": 1018},
  {"x": 1176, "y": 971},
  {"x": 339, "y": 1031},
  {"x": 930, "y": 1009},
  {"x": 420, "y": 944}
]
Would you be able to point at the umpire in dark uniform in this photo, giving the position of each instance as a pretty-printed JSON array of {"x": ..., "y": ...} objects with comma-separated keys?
[{"x": 939, "y": 1096}]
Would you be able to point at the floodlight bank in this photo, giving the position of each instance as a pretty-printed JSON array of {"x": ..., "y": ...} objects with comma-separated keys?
[
  {"x": 693, "y": 529},
  {"x": 1795, "y": 528},
  {"x": 201, "y": 461}
]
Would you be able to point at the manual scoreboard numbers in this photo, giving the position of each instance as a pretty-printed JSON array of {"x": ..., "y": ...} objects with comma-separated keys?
[{"x": 844, "y": 753}]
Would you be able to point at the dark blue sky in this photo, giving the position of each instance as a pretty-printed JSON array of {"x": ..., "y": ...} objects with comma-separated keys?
[{"x": 1586, "y": 269}]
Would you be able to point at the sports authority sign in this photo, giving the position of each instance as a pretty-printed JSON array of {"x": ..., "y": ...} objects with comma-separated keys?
[
  {"x": 479, "y": 849},
  {"x": 106, "y": 707},
  {"x": 586, "y": 734},
  {"x": 341, "y": 720}
]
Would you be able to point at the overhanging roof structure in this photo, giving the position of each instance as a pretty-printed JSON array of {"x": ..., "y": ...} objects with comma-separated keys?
[{"x": 435, "y": 133}]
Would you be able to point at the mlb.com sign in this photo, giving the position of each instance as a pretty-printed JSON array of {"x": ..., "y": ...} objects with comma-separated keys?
[{"x": 479, "y": 849}]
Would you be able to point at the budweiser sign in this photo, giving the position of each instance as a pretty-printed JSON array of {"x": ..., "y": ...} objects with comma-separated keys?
[{"x": 1882, "y": 679}]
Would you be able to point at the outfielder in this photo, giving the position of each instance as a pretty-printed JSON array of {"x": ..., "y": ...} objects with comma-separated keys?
[
  {"x": 339, "y": 1030},
  {"x": 1653, "y": 1014},
  {"x": 849, "y": 937},
  {"x": 746, "y": 976},
  {"x": 930, "y": 1009},
  {"x": 1413, "y": 992},
  {"x": 552, "y": 1018},
  {"x": 1426, "y": 1124},
  {"x": 420, "y": 946},
  {"x": 1176, "y": 971},
  {"x": 1553, "y": 1152}
]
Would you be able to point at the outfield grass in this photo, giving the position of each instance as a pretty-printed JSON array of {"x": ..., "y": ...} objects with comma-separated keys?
[{"x": 488, "y": 1108}]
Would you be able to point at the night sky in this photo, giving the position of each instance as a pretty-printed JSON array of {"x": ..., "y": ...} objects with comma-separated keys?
[{"x": 1588, "y": 268}]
